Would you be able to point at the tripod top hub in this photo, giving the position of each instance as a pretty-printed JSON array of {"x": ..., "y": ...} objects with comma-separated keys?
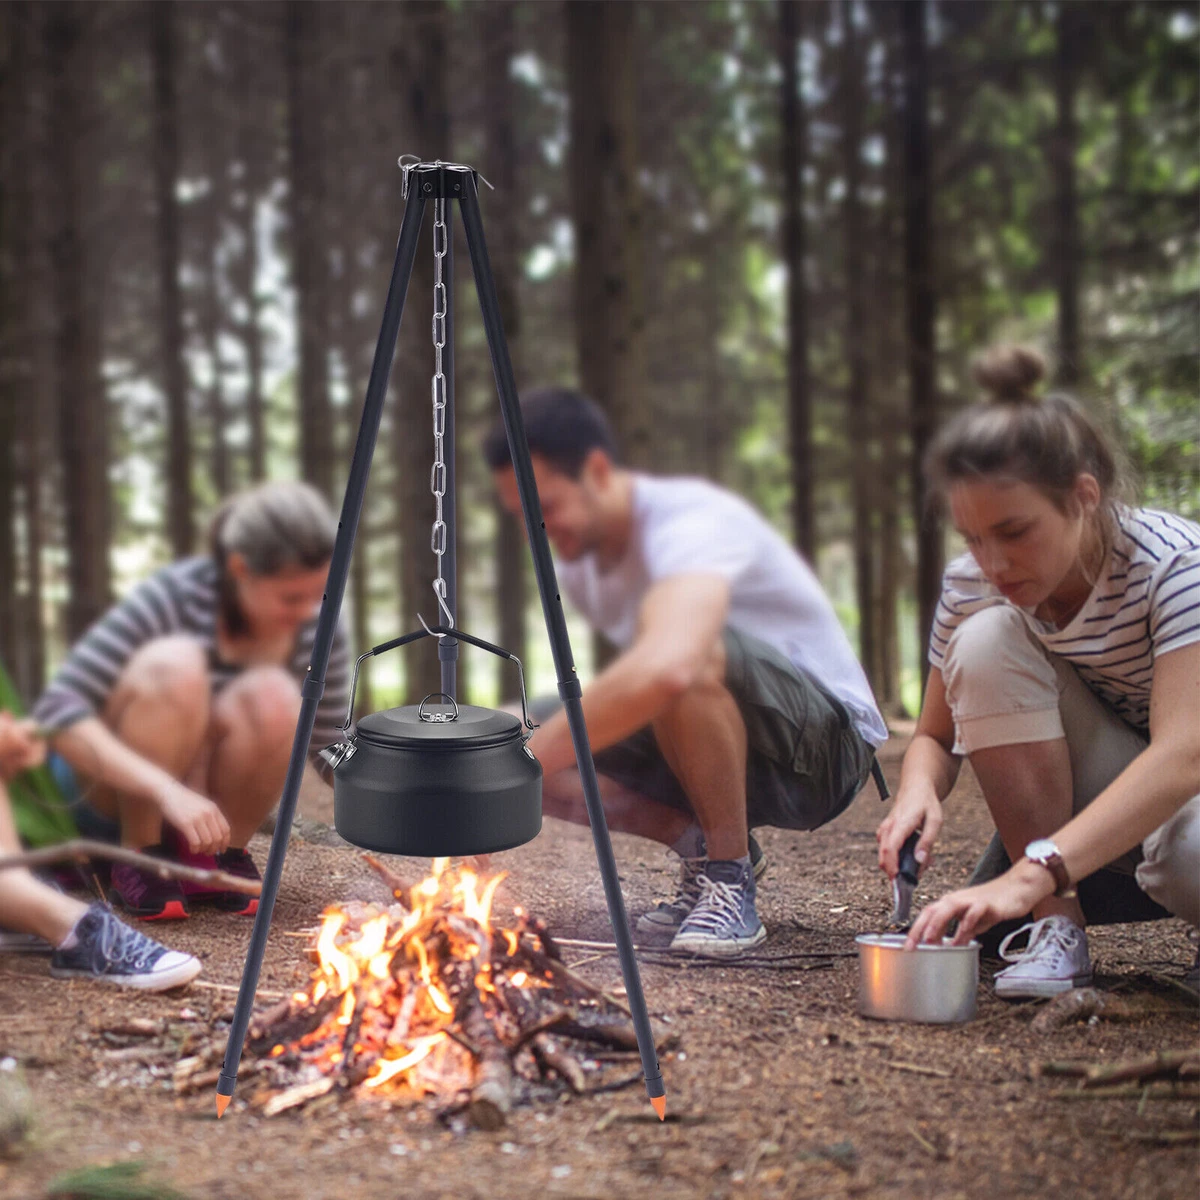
[{"x": 435, "y": 180}]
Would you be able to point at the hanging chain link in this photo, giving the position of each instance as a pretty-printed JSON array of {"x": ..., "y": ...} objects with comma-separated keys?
[{"x": 437, "y": 475}]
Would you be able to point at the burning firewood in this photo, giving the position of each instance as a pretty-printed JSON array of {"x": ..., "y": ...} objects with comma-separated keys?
[{"x": 428, "y": 997}]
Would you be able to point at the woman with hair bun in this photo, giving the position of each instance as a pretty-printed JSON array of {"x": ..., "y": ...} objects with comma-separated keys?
[
  {"x": 1065, "y": 664},
  {"x": 178, "y": 707}
]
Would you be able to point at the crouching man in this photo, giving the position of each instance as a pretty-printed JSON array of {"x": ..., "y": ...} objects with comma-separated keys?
[{"x": 736, "y": 700}]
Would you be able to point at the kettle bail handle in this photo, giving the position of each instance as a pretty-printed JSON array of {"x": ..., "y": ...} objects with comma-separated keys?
[{"x": 437, "y": 631}]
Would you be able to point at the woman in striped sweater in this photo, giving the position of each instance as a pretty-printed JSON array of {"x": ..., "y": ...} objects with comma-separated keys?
[
  {"x": 1065, "y": 663},
  {"x": 177, "y": 709}
]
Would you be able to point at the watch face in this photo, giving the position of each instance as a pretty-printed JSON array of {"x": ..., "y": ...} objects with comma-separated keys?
[{"x": 1042, "y": 848}]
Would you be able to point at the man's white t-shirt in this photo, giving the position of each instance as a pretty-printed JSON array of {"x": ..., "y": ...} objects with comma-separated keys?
[{"x": 685, "y": 526}]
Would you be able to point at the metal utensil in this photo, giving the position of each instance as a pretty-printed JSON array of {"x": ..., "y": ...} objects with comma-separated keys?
[{"x": 905, "y": 882}]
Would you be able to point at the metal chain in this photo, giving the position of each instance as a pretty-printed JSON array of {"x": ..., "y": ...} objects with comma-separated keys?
[{"x": 437, "y": 475}]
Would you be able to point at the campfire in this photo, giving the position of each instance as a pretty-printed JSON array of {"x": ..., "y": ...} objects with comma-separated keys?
[{"x": 428, "y": 998}]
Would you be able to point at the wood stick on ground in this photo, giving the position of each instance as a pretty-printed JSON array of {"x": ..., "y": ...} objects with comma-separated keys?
[
  {"x": 491, "y": 1092},
  {"x": 261, "y": 994},
  {"x": 1162, "y": 1065},
  {"x": 82, "y": 849},
  {"x": 1150, "y": 1091},
  {"x": 300, "y": 1094},
  {"x": 400, "y": 887},
  {"x": 555, "y": 1057},
  {"x": 917, "y": 1069}
]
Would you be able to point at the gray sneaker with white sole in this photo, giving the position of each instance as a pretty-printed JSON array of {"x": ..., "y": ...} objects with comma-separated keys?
[
  {"x": 723, "y": 923},
  {"x": 109, "y": 951},
  {"x": 667, "y": 917}
]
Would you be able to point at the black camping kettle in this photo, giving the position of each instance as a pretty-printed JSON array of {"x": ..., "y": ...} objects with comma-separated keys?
[{"x": 436, "y": 778}]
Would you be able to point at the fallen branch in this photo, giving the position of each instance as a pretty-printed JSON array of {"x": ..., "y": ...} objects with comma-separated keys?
[
  {"x": 1159, "y": 1091},
  {"x": 568, "y": 1068},
  {"x": 400, "y": 887},
  {"x": 80, "y": 850},
  {"x": 916, "y": 1069},
  {"x": 491, "y": 1092},
  {"x": 1164, "y": 1064},
  {"x": 300, "y": 1094}
]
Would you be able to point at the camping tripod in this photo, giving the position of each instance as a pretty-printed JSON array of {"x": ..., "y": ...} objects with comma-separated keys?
[{"x": 442, "y": 182}]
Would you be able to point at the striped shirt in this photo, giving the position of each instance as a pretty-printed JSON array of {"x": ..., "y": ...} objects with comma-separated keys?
[
  {"x": 1146, "y": 603},
  {"x": 182, "y": 598}
]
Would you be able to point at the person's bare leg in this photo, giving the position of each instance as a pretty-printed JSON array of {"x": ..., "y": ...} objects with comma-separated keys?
[
  {"x": 625, "y": 811},
  {"x": 1028, "y": 790},
  {"x": 703, "y": 738},
  {"x": 26, "y": 903},
  {"x": 253, "y": 727},
  {"x": 160, "y": 708}
]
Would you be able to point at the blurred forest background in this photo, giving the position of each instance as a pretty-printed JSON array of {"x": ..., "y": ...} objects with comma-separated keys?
[{"x": 768, "y": 237}]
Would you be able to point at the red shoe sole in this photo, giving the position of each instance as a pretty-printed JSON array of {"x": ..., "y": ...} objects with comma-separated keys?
[{"x": 173, "y": 910}]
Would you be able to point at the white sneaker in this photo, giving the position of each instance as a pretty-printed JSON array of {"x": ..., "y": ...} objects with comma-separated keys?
[{"x": 1054, "y": 960}]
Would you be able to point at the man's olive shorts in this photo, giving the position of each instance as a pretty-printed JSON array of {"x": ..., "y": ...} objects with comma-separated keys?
[{"x": 806, "y": 762}]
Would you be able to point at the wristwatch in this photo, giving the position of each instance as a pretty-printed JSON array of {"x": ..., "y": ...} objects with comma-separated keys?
[{"x": 1046, "y": 854}]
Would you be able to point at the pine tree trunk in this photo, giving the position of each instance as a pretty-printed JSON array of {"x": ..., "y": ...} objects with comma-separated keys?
[
  {"x": 180, "y": 519},
  {"x": 214, "y": 209},
  {"x": 607, "y": 211},
  {"x": 608, "y": 215},
  {"x": 858, "y": 430},
  {"x": 420, "y": 63},
  {"x": 504, "y": 243},
  {"x": 306, "y": 191},
  {"x": 887, "y": 320},
  {"x": 80, "y": 401},
  {"x": 920, "y": 306},
  {"x": 36, "y": 398},
  {"x": 794, "y": 137},
  {"x": 250, "y": 152},
  {"x": 1066, "y": 254}
]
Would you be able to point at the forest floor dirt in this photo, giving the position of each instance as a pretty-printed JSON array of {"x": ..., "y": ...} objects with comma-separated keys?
[{"x": 777, "y": 1088}]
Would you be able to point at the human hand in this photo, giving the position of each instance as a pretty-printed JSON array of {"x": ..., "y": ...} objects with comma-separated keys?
[
  {"x": 915, "y": 808},
  {"x": 978, "y": 908},
  {"x": 196, "y": 817},
  {"x": 20, "y": 746}
]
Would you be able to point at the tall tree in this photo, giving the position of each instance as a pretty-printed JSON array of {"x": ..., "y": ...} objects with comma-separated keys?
[
  {"x": 858, "y": 417},
  {"x": 607, "y": 207},
  {"x": 180, "y": 517},
  {"x": 420, "y": 62},
  {"x": 794, "y": 141},
  {"x": 253, "y": 150},
  {"x": 80, "y": 400},
  {"x": 920, "y": 309},
  {"x": 512, "y": 557},
  {"x": 306, "y": 189},
  {"x": 1065, "y": 250},
  {"x": 216, "y": 167}
]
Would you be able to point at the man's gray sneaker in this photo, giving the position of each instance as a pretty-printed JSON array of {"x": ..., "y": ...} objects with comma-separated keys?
[
  {"x": 109, "y": 951},
  {"x": 723, "y": 923},
  {"x": 669, "y": 915}
]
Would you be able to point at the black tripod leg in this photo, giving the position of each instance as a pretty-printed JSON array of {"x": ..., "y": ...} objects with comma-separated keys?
[
  {"x": 331, "y": 603},
  {"x": 560, "y": 645}
]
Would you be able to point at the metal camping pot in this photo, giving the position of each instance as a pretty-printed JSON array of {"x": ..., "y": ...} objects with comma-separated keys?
[
  {"x": 437, "y": 778},
  {"x": 931, "y": 984}
]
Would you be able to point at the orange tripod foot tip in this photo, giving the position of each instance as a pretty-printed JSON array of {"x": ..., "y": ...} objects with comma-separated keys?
[
  {"x": 222, "y": 1104},
  {"x": 660, "y": 1106}
]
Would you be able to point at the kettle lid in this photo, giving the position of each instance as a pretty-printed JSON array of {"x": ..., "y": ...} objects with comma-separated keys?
[{"x": 430, "y": 726}]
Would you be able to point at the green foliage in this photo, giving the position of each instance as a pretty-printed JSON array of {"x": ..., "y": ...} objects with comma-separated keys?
[
  {"x": 116, "y": 1181},
  {"x": 39, "y": 809}
]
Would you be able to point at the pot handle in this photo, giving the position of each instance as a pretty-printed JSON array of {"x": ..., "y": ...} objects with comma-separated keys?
[{"x": 438, "y": 631}]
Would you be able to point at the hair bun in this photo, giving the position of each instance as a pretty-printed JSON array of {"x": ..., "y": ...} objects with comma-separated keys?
[{"x": 1010, "y": 374}]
